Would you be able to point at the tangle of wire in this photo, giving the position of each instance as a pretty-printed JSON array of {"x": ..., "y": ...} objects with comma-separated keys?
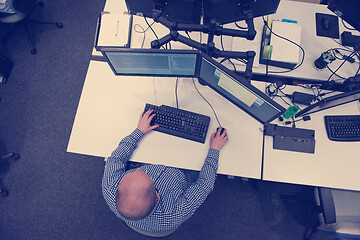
[
  {"x": 344, "y": 61},
  {"x": 150, "y": 26},
  {"x": 143, "y": 31},
  {"x": 223, "y": 48},
  {"x": 343, "y": 57},
  {"x": 302, "y": 49}
]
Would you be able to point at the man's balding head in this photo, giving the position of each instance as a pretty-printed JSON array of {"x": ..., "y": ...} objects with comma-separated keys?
[{"x": 136, "y": 195}]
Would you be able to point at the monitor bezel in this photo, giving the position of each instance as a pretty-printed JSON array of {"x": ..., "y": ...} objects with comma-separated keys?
[
  {"x": 257, "y": 8},
  {"x": 342, "y": 12},
  {"x": 151, "y": 51},
  {"x": 343, "y": 98},
  {"x": 247, "y": 84}
]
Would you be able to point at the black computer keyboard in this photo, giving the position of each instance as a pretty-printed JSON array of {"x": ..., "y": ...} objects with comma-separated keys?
[
  {"x": 343, "y": 128},
  {"x": 180, "y": 123}
]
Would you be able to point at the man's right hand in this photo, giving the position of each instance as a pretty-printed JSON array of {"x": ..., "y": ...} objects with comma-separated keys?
[{"x": 217, "y": 140}]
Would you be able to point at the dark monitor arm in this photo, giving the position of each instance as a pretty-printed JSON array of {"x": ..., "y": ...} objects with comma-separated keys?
[{"x": 211, "y": 29}]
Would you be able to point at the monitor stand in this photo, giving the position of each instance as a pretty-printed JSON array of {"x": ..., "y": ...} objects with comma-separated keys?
[{"x": 212, "y": 29}]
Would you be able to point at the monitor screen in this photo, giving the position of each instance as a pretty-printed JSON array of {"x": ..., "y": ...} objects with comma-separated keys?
[
  {"x": 347, "y": 10},
  {"x": 226, "y": 11},
  {"x": 239, "y": 91},
  {"x": 151, "y": 62}
]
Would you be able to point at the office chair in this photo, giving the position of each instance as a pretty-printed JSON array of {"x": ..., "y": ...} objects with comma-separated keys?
[
  {"x": 339, "y": 213},
  {"x": 24, "y": 10},
  {"x": 4, "y": 165},
  {"x": 5, "y": 68}
]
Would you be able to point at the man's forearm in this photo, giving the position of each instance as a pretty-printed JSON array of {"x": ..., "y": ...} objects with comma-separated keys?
[
  {"x": 116, "y": 163},
  {"x": 209, "y": 170}
]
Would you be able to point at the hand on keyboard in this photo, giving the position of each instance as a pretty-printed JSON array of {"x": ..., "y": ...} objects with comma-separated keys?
[
  {"x": 179, "y": 122},
  {"x": 144, "y": 121}
]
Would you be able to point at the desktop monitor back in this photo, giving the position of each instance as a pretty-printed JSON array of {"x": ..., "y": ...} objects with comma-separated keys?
[
  {"x": 330, "y": 102},
  {"x": 348, "y": 10},
  {"x": 227, "y": 11},
  {"x": 185, "y": 11},
  {"x": 238, "y": 90},
  {"x": 151, "y": 62}
]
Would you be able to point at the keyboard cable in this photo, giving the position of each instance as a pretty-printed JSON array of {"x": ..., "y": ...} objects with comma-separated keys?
[
  {"x": 217, "y": 119},
  {"x": 176, "y": 95}
]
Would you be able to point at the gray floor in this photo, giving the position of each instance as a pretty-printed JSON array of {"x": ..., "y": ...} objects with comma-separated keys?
[{"x": 57, "y": 195}]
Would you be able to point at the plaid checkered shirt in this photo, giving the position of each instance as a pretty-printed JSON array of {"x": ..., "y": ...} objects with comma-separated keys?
[{"x": 179, "y": 196}]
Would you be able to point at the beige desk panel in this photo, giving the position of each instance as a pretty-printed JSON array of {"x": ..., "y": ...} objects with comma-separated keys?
[
  {"x": 334, "y": 164},
  {"x": 110, "y": 106}
]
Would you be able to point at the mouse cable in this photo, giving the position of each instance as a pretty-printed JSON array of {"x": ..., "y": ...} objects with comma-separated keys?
[
  {"x": 301, "y": 48},
  {"x": 217, "y": 119}
]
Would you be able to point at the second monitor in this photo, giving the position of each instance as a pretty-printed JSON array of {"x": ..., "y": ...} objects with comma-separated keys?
[{"x": 188, "y": 63}]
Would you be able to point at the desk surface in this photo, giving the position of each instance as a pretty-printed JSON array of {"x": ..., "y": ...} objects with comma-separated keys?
[
  {"x": 109, "y": 110},
  {"x": 334, "y": 164},
  {"x": 110, "y": 105},
  {"x": 303, "y": 13}
]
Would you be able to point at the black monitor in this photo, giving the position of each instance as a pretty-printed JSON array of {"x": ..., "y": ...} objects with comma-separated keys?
[
  {"x": 226, "y": 11},
  {"x": 151, "y": 62},
  {"x": 348, "y": 10},
  {"x": 330, "y": 102},
  {"x": 191, "y": 63},
  {"x": 238, "y": 90},
  {"x": 185, "y": 11}
]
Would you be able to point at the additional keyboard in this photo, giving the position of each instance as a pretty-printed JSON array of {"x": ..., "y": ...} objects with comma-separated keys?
[
  {"x": 180, "y": 123},
  {"x": 343, "y": 128}
]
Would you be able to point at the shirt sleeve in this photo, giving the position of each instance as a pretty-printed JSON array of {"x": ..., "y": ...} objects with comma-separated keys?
[
  {"x": 196, "y": 194},
  {"x": 116, "y": 164}
]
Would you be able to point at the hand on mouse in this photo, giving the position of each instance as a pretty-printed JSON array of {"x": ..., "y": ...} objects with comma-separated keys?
[{"x": 217, "y": 140}]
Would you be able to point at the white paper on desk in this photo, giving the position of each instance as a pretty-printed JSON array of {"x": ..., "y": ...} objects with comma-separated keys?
[
  {"x": 114, "y": 30},
  {"x": 283, "y": 50}
]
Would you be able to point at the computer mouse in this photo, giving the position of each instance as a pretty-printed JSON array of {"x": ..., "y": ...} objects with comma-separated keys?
[
  {"x": 222, "y": 130},
  {"x": 326, "y": 23}
]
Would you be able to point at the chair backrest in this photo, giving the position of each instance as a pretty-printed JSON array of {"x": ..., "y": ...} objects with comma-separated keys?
[
  {"x": 340, "y": 212},
  {"x": 327, "y": 204}
]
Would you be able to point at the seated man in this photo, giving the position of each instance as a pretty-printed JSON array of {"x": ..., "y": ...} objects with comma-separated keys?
[{"x": 154, "y": 199}]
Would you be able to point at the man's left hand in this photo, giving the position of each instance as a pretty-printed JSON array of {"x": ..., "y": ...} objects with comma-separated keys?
[{"x": 144, "y": 121}]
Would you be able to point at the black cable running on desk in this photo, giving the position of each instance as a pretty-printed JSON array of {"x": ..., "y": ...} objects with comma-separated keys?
[
  {"x": 150, "y": 26},
  {"x": 176, "y": 95},
  {"x": 217, "y": 119},
  {"x": 302, "y": 49}
]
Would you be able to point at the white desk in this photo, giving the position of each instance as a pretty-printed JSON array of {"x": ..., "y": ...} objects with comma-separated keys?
[
  {"x": 334, "y": 164},
  {"x": 109, "y": 110},
  {"x": 110, "y": 105},
  {"x": 303, "y": 13}
]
